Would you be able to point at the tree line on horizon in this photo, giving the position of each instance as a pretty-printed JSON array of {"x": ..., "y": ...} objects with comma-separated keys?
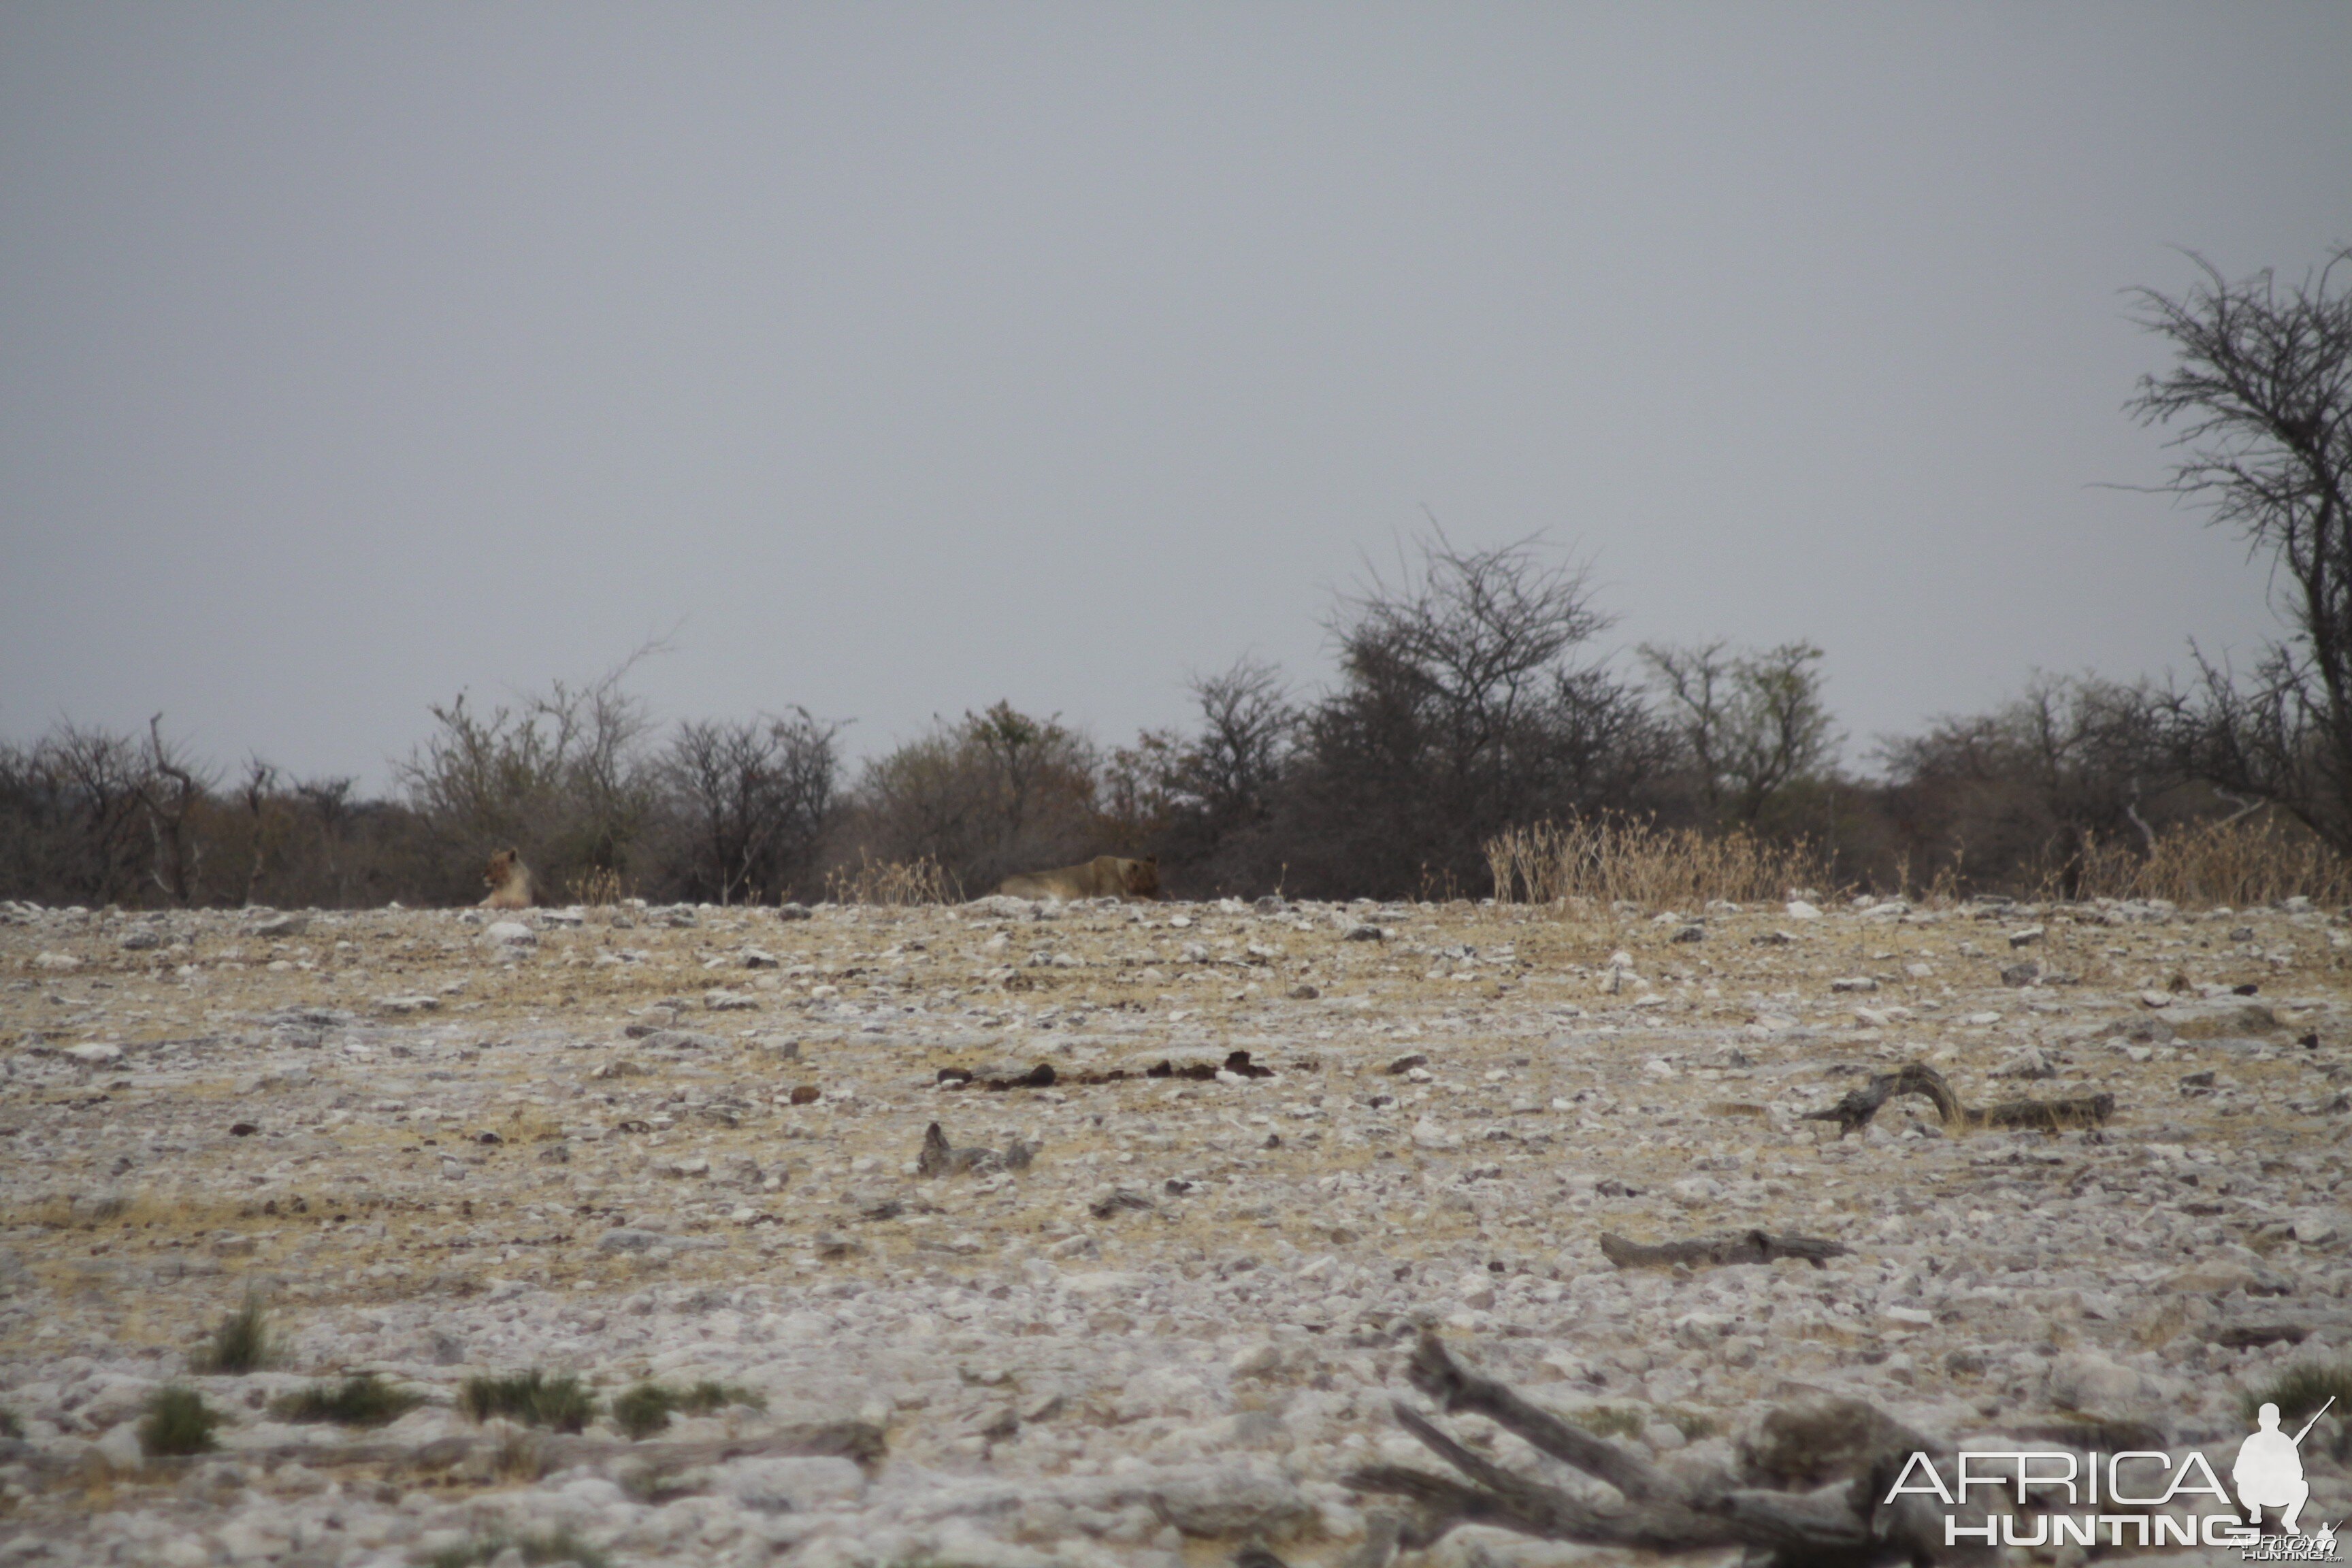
[{"x": 1465, "y": 704}]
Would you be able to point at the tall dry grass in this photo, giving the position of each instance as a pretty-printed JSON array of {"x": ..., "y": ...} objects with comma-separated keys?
[
  {"x": 1613, "y": 859},
  {"x": 2245, "y": 862},
  {"x": 921, "y": 880}
]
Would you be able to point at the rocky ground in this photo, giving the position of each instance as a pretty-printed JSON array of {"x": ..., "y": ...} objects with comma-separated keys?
[{"x": 684, "y": 1144}]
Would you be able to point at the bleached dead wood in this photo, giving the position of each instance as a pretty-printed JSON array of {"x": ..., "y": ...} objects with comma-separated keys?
[
  {"x": 1715, "y": 1251},
  {"x": 1840, "y": 1526},
  {"x": 1855, "y": 1107}
]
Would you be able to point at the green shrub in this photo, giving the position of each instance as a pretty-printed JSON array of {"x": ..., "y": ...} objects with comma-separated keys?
[
  {"x": 647, "y": 1408},
  {"x": 177, "y": 1422},
  {"x": 556, "y": 1546},
  {"x": 9, "y": 1426},
  {"x": 362, "y": 1401},
  {"x": 706, "y": 1396},
  {"x": 240, "y": 1344},
  {"x": 532, "y": 1398},
  {"x": 642, "y": 1410}
]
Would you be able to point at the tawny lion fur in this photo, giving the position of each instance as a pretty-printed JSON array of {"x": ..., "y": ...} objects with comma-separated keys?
[
  {"x": 1103, "y": 877},
  {"x": 508, "y": 880}
]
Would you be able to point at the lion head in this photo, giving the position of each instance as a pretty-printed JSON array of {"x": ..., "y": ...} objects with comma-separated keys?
[
  {"x": 1142, "y": 876},
  {"x": 508, "y": 880}
]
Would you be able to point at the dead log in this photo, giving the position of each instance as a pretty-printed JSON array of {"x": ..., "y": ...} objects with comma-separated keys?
[
  {"x": 1840, "y": 1526},
  {"x": 1715, "y": 1251},
  {"x": 2065, "y": 1115},
  {"x": 1855, "y": 1107},
  {"x": 999, "y": 1076}
]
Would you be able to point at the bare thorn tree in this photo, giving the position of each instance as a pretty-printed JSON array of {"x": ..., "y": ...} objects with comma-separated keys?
[
  {"x": 754, "y": 797},
  {"x": 2259, "y": 400},
  {"x": 170, "y": 793},
  {"x": 1247, "y": 726},
  {"x": 1751, "y": 725},
  {"x": 1461, "y": 711}
]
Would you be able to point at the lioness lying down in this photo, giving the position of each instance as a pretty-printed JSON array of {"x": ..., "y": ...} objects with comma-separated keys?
[
  {"x": 1103, "y": 877},
  {"x": 508, "y": 880}
]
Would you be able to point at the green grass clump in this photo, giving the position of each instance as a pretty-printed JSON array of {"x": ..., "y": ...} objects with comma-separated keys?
[
  {"x": 9, "y": 1426},
  {"x": 178, "y": 1421},
  {"x": 364, "y": 1401},
  {"x": 2299, "y": 1392},
  {"x": 240, "y": 1344},
  {"x": 647, "y": 1408},
  {"x": 531, "y": 1397},
  {"x": 557, "y": 1546}
]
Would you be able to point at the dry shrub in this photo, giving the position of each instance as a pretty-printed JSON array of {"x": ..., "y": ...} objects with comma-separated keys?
[
  {"x": 1613, "y": 858},
  {"x": 2241, "y": 863},
  {"x": 921, "y": 880},
  {"x": 595, "y": 889}
]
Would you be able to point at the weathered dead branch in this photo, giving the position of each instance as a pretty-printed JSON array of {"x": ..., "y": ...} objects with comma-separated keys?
[
  {"x": 1715, "y": 1251},
  {"x": 1840, "y": 1526},
  {"x": 1855, "y": 1107}
]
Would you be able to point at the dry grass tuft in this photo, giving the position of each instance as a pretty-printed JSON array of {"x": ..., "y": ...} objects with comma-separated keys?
[
  {"x": 921, "y": 880},
  {"x": 558, "y": 1547},
  {"x": 531, "y": 1397},
  {"x": 1615, "y": 859},
  {"x": 647, "y": 1408},
  {"x": 595, "y": 889},
  {"x": 241, "y": 1343},
  {"x": 2242, "y": 864},
  {"x": 178, "y": 1421},
  {"x": 365, "y": 1400}
]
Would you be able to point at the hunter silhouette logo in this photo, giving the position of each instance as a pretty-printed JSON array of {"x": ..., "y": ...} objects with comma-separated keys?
[
  {"x": 2269, "y": 1471},
  {"x": 2139, "y": 1498}
]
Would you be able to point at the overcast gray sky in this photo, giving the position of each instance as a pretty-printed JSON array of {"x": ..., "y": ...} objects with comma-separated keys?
[{"x": 904, "y": 358}]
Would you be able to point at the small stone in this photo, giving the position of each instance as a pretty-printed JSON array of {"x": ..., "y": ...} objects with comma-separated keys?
[
  {"x": 1798, "y": 910},
  {"x": 1855, "y": 983},
  {"x": 95, "y": 1053},
  {"x": 143, "y": 940},
  {"x": 418, "y": 1004},
  {"x": 57, "y": 963},
  {"x": 724, "y": 1001},
  {"x": 2025, "y": 938},
  {"x": 793, "y": 912},
  {"x": 243, "y": 1129},
  {"x": 1304, "y": 992},
  {"x": 121, "y": 1449},
  {"x": 2092, "y": 1384},
  {"x": 755, "y": 959},
  {"x": 1363, "y": 933},
  {"x": 628, "y": 1239},
  {"x": 2021, "y": 975},
  {"x": 806, "y": 1094},
  {"x": 2029, "y": 1063},
  {"x": 1690, "y": 933},
  {"x": 509, "y": 934}
]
